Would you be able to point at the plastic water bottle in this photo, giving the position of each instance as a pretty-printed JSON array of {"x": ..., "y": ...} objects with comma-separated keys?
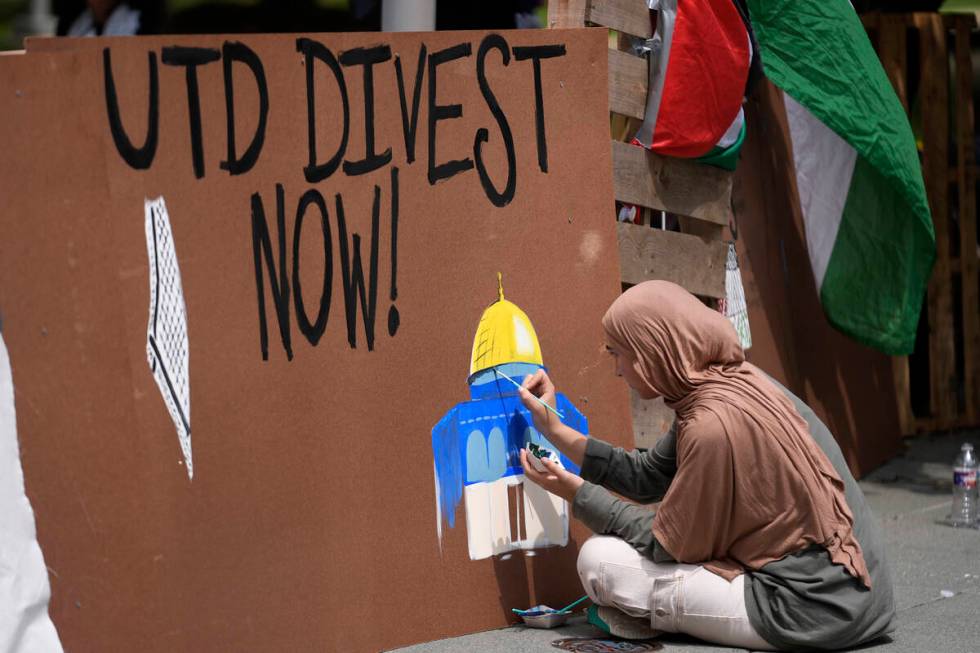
[{"x": 965, "y": 488}]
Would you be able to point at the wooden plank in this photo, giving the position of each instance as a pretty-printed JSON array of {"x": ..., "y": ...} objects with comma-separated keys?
[
  {"x": 954, "y": 171},
  {"x": 566, "y": 13},
  {"x": 926, "y": 425},
  {"x": 933, "y": 424},
  {"x": 892, "y": 50},
  {"x": 629, "y": 16},
  {"x": 903, "y": 394},
  {"x": 702, "y": 229},
  {"x": 627, "y": 84},
  {"x": 871, "y": 20},
  {"x": 966, "y": 182},
  {"x": 674, "y": 185},
  {"x": 934, "y": 95},
  {"x": 698, "y": 265}
]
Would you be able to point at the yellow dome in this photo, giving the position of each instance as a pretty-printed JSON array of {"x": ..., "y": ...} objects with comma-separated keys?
[{"x": 504, "y": 335}]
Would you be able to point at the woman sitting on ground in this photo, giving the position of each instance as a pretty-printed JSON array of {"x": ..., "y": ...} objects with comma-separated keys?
[{"x": 763, "y": 539}]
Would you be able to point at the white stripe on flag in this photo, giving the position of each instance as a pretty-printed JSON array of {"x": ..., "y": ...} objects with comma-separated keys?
[
  {"x": 731, "y": 134},
  {"x": 824, "y": 167}
]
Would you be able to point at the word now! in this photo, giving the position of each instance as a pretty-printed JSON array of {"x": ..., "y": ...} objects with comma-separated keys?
[{"x": 359, "y": 289}]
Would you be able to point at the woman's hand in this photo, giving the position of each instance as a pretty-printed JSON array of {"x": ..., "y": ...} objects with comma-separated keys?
[
  {"x": 556, "y": 480},
  {"x": 540, "y": 386},
  {"x": 566, "y": 439}
]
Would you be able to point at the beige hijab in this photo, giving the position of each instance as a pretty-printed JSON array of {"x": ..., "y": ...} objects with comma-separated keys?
[{"x": 752, "y": 485}]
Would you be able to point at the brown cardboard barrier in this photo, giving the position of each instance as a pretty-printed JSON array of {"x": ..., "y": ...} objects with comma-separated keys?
[{"x": 310, "y": 522}]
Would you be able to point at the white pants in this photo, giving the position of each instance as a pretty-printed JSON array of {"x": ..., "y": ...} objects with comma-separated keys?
[{"x": 677, "y": 598}]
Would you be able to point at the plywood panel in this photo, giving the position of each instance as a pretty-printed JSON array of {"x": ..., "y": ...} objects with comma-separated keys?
[{"x": 312, "y": 502}]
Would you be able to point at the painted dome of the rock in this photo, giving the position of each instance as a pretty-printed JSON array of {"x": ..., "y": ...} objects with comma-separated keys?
[{"x": 504, "y": 335}]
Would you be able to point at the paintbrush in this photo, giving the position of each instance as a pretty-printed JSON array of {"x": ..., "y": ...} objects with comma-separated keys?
[
  {"x": 533, "y": 612},
  {"x": 537, "y": 399}
]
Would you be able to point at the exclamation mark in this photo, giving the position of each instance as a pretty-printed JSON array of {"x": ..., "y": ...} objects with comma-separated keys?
[{"x": 393, "y": 318}]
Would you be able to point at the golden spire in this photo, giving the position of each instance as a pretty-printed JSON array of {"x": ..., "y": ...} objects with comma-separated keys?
[{"x": 504, "y": 335}]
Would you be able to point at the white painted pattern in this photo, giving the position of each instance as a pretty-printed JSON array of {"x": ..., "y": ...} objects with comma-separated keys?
[
  {"x": 488, "y": 529},
  {"x": 542, "y": 518},
  {"x": 435, "y": 475},
  {"x": 483, "y": 418},
  {"x": 166, "y": 331}
]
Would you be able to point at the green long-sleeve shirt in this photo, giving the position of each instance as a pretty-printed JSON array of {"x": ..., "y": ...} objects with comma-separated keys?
[{"x": 803, "y": 601}]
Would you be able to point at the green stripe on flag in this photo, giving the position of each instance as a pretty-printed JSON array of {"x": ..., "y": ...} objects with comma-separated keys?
[
  {"x": 817, "y": 52},
  {"x": 867, "y": 247}
]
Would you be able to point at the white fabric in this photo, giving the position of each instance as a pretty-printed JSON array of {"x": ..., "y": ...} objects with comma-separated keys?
[
  {"x": 731, "y": 134},
  {"x": 736, "y": 309},
  {"x": 677, "y": 598},
  {"x": 824, "y": 167},
  {"x": 123, "y": 21},
  {"x": 24, "y": 591}
]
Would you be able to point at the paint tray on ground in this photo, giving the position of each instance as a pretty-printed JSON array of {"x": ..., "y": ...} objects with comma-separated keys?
[
  {"x": 590, "y": 645},
  {"x": 542, "y": 616}
]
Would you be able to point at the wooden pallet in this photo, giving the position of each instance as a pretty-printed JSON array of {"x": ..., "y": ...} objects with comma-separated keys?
[
  {"x": 699, "y": 195},
  {"x": 953, "y": 349}
]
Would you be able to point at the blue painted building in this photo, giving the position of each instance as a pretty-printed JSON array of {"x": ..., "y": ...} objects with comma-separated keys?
[{"x": 476, "y": 445}]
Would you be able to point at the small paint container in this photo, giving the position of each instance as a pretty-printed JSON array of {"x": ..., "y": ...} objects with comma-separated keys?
[
  {"x": 537, "y": 453},
  {"x": 542, "y": 616}
]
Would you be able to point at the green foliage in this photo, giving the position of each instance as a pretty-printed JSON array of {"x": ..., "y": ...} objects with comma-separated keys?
[
  {"x": 960, "y": 7},
  {"x": 174, "y": 6},
  {"x": 8, "y": 10}
]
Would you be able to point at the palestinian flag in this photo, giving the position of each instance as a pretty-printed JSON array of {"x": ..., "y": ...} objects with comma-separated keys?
[
  {"x": 700, "y": 55},
  {"x": 868, "y": 227}
]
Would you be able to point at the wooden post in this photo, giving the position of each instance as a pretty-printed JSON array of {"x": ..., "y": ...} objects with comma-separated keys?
[
  {"x": 566, "y": 13},
  {"x": 892, "y": 50},
  {"x": 934, "y": 95},
  {"x": 966, "y": 182}
]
